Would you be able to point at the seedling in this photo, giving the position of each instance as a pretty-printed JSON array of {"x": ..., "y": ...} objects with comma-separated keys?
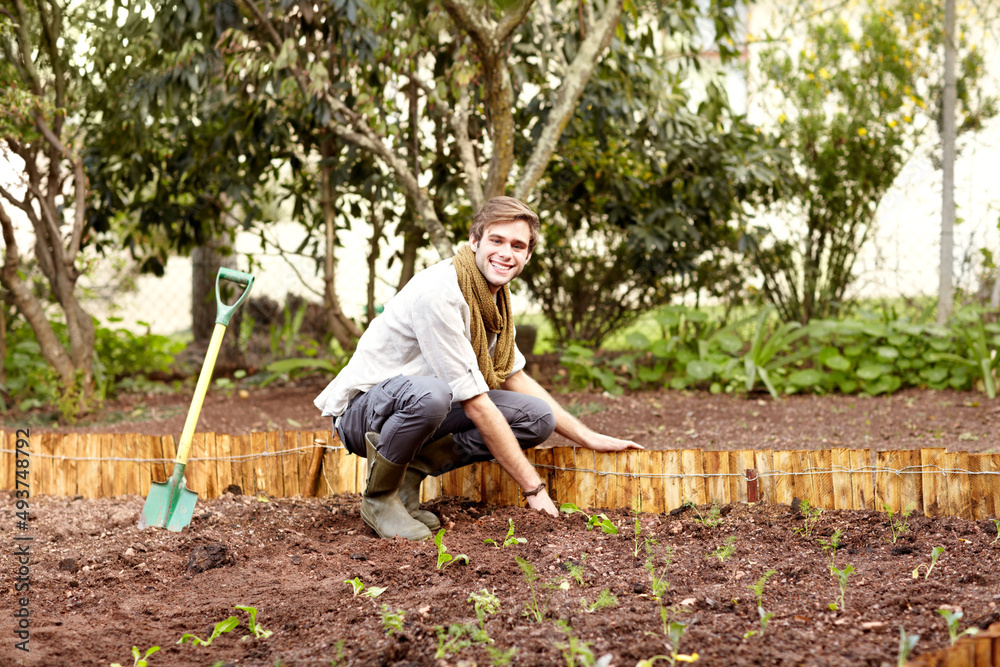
[
  {"x": 601, "y": 520},
  {"x": 659, "y": 584},
  {"x": 841, "y": 576},
  {"x": 575, "y": 651},
  {"x": 676, "y": 633},
  {"x": 576, "y": 570},
  {"x": 500, "y": 656},
  {"x": 642, "y": 542},
  {"x": 458, "y": 637},
  {"x": 220, "y": 628},
  {"x": 897, "y": 523},
  {"x": 605, "y": 600},
  {"x": 724, "y": 551},
  {"x": 935, "y": 554},
  {"x": 537, "y": 607},
  {"x": 672, "y": 659},
  {"x": 952, "y": 618},
  {"x": 445, "y": 558},
  {"x": 758, "y": 587},
  {"x": 392, "y": 621},
  {"x": 996, "y": 524},
  {"x": 712, "y": 519},
  {"x": 906, "y": 645},
  {"x": 340, "y": 657},
  {"x": 811, "y": 515},
  {"x": 484, "y": 602},
  {"x": 358, "y": 587},
  {"x": 257, "y": 631},
  {"x": 830, "y": 547},
  {"x": 139, "y": 660},
  {"x": 508, "y": 541}
]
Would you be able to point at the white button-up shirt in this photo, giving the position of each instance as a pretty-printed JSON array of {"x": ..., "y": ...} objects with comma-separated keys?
[{"x": 424, "y": 330}]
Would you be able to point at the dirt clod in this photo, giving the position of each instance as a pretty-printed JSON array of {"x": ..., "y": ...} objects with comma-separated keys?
[{"x": 208, "y": 556}]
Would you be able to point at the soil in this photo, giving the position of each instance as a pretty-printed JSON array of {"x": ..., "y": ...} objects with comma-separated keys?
[{"x": 99, "y": 585}]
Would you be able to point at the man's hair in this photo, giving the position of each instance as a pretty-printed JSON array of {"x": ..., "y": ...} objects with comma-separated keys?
[{"x": 504, "y": 209}]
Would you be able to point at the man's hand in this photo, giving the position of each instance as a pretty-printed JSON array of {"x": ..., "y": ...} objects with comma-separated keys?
[
  {"x": 605, "y": 443},
  {"x": 541, "y": 502}
]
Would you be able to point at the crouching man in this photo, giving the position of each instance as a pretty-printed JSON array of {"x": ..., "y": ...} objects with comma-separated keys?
[{"x": 437, "y": 383}]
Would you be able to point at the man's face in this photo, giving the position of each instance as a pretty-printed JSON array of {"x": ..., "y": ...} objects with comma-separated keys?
[{"x": 503, "y": 252}]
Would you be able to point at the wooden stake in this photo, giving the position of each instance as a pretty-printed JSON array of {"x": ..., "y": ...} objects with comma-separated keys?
[
  {"x": 315, "y": 466},
  {"x": 753, "y": 493}
]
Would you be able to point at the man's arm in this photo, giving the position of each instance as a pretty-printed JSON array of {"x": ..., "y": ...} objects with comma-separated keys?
[
  {"x": 567, "y": 425},
  {"x": 500, "y": 440}
]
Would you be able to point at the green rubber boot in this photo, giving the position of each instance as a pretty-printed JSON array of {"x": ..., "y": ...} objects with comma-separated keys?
[
  {"x": 381, "y": 507},
  {"x": 433, "y": 458}
]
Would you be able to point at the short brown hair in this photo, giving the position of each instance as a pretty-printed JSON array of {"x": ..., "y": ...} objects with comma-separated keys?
[{"x": 505, "y": 209}]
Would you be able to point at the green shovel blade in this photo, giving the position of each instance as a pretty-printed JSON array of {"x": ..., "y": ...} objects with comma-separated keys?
[{"x": 169, "y": 504}]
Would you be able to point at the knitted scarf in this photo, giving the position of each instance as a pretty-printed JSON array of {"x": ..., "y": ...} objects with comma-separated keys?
[{"x": 487, "y": 315}]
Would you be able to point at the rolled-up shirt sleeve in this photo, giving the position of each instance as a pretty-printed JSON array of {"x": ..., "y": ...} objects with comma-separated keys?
[{"x": 441, "y": 331}]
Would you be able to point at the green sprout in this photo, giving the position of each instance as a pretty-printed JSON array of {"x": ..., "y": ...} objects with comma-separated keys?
[
  {"x": 392, "y": 621},
  {"x": 575, "y": 651},
  {"x": 601, "y": 520},
  {"x": 724, "y": 551},
  {"x": 458, "y": 637},
  {"x": 139, "y": 660},
  {"x": 676, "y": 633},
  {"x": 257, "y": 631},
  {"x": 906, "y": 645},
  {"x": 842, "y": 575},
  {"x": 484, "y": 602},
  {"x": 445, "y": 558},
  {"x": 605, "y": 600},
  {"x": 642, "y": 542},
  {"x": 500, "y": 656},
  {"x": 935, "y": 554},
  {"x": 510, "y": 540},
  {"x": 356, "y": 584},
  {"x": 537, "y": 607},
  {"x": 897, "y": 523},
  {"x": 220, "y": 628},
  {"x": 710, "y": 520},
  {"x": 830, "y": 546},
  {"x": 811, "y": 515},
  {"x": 952, "y": 618},
  {"x": 576, "y": 571},
  {"x": 758, "y": 586},
  {"x": 996, "y": 525}
]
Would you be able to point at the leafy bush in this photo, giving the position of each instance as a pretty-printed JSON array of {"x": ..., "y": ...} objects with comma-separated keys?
[{"x": 867, "y": 354}]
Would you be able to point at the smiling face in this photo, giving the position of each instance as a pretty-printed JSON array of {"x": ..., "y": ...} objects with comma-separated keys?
[{"x": 503, "y": 252}]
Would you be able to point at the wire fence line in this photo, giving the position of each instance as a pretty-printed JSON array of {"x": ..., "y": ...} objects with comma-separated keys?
[{"x": 760, "y": 474}]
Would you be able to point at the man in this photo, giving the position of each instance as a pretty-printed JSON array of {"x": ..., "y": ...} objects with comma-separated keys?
[{"x": 437, "y": 383}]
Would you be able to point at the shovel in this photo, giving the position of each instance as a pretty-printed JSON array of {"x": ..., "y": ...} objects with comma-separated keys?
[{"x": 170, "y": 504}]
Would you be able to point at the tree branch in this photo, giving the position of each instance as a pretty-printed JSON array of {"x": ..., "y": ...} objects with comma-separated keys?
[
  {"x": 468, "y": 17},
  {"x": 80, "y": 183},
  {"x": 466, "y": 152},
  {"x": 24, "y": 48},
  {"x": 567, "y": 96},
  {"x": 509, "y": 21}
]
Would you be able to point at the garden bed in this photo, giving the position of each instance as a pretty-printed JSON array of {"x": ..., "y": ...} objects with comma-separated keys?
[{"x": 99, "y": 585}]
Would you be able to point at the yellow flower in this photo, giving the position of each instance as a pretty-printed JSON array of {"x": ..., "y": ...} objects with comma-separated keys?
[
  {"x": 892, "y": 123},
  {"x": 810, "y": 75},
  {"x": 916, "y": 16},
  {"x": 782, "y": 118},
  {"x": 908, "y": 119},
  {"x": 824, "y": 73},
  {"x": 862, "y": 131}
]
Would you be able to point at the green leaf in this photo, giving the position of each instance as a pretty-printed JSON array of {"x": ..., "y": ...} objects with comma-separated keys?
[
  {"x": 870, "y": 371},
  {"x": 887, "y": 353},
  {"x": 701, "y": 370},
  {"x": 809, "y": 377}
]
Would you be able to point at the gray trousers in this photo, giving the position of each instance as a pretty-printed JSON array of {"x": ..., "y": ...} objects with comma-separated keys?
[{"x": 409, "y": 411}]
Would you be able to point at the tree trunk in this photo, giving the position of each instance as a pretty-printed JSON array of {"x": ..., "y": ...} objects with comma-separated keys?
[
  {"x": 342, "y": 327},
  {"x": 945, "y": 288},
  {"x": 206, "y": 260}
]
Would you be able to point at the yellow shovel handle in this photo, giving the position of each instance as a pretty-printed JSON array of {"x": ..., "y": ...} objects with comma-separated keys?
[{"x": 199, "y": 394}]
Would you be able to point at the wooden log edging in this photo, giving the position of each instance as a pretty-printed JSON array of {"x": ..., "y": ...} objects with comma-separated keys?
[
  {"x": 979, "y": 650},
  {"x": 934, "y": 482}
]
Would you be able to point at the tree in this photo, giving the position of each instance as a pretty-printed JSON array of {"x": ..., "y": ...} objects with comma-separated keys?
[
  {"x": 645, "y": 197},
  {"x": 338, "y": 95},
  {"x": 41, "y": 92},
  {"x": 853, "y": 106}
]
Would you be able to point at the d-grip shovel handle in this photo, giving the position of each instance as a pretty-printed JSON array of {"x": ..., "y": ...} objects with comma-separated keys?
[
  {"x": 222, "y": 318},
  {"x": 224, "y": 312}
]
